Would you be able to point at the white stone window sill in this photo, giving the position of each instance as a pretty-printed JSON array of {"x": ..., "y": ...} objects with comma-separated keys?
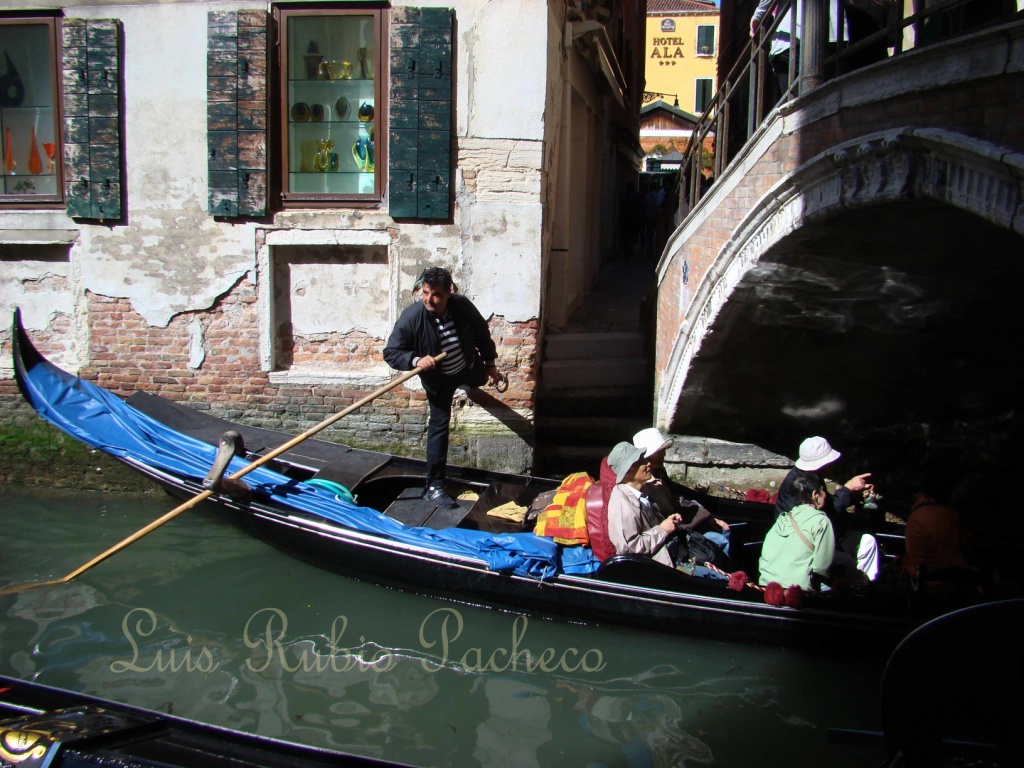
[{"x": 38, "y": 236}]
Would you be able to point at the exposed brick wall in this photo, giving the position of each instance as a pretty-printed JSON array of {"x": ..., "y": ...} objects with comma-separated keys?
[
  {"x": 987, "y": 109},
  {"x": 126, "y": 354},
  {"x": 331, "y": 352},
  {"x": 517, "y": 359},
  {"x": 9, "y": 395}
]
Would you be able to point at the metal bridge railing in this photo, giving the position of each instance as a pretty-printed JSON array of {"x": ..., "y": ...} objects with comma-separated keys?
[{"x": 751, "y": 90}]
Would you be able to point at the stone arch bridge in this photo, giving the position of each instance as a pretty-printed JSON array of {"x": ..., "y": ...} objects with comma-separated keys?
[{"x": 857, "y": 270}]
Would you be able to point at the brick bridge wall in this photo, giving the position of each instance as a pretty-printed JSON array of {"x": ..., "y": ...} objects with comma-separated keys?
[{"x": 973, "y": 87}]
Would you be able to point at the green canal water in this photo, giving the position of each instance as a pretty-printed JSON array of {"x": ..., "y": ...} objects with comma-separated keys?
[{"x": 200, "y": 620}]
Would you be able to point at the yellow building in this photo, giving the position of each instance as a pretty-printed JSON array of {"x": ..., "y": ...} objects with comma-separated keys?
[{"x": 681, "y": 53}]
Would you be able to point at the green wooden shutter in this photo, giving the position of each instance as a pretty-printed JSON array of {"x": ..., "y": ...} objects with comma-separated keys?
[
  {"x": 420, "y": 120},
  {"x": 705, "y": 40},
  {"x": 92, "y": 118},
  {"x": 236, "y": 112}
]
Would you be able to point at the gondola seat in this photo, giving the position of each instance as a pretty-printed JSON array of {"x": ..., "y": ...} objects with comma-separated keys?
[{"x": 597, "y": 522}]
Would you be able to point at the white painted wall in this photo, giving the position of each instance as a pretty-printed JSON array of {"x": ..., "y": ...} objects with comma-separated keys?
[{"x": 506, "y": 68}]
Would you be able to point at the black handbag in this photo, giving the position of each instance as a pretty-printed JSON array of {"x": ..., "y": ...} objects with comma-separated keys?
[{"x": 700, "y": 550}]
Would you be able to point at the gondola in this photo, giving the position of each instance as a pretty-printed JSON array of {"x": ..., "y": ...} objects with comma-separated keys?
[
  {"x": 44, "y": 726},
  {"x": 360, "y": 513}
]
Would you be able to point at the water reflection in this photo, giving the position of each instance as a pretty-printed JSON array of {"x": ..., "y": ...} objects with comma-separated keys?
[
  {"x": 642, "y": 724},
  {"x": 202, "y": 621}
]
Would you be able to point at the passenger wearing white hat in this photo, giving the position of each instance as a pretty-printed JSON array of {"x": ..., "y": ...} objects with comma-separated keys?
[
  {"x": 814, "y": 455},
  {"x": 669, "y": 495},
  {"x": 652, "y": 442},
  {"x": 636, "y": 525}
]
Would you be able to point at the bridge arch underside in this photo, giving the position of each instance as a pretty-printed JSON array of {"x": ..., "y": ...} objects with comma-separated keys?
[{"x": 890, "y": 328}]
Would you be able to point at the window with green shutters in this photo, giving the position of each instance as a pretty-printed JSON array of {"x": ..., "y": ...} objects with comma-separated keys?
[
  {"x": 703, "y": 94},
  {"x": 92, "y": 118},
  {"x": 334, "y": 142},
  {"x": 705, "y": 40},
  {"x": 30, "y": 172}
]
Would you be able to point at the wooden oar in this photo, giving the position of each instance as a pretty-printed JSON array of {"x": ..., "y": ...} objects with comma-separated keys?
[{"x": 207, "y": 494}]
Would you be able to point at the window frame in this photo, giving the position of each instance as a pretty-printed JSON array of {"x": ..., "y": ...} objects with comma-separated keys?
[
  {"x": 280, "y": 138},
  {"x": 55, "y": 200},
  {"x": 697, "y": 110},
  {"x": 696, "y": 45}
]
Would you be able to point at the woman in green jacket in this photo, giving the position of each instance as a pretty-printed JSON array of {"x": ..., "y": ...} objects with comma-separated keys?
[{"x": 801, "y": 541}]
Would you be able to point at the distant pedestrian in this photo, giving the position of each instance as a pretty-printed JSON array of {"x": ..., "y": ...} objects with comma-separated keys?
[{"x": 653, "y": 200}]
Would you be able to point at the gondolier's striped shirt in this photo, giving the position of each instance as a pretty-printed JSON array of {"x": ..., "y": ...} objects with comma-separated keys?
[{"x": 456, "y": 360}]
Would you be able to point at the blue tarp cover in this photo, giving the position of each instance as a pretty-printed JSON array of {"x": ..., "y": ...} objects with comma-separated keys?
[{"x": 104, "y": 421}]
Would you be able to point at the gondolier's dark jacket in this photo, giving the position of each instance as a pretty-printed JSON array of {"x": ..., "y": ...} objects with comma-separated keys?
[{"x": 415, "y": 335}]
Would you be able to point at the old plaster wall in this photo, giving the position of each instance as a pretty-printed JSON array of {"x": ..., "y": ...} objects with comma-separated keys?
[
  {"x": 171, "y": 256},
  {"x": 199, "y": 307},
  {"x": 502, "y": 85},
  {"x": 36, "y": 275}
]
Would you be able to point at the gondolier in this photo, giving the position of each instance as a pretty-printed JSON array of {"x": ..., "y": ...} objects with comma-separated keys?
[{"x": 442, "y": 321}]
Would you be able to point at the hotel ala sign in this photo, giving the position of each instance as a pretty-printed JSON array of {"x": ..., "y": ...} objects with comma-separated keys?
[{"x": 669, "y": 47}]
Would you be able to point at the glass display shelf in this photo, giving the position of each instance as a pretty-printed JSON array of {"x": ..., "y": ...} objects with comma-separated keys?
[
  {"x": 330, "y": 80},
  {"x": 26, "y": 184},
  {"x": 332, "y": 183},
  {"x": 27, "y": 108}
]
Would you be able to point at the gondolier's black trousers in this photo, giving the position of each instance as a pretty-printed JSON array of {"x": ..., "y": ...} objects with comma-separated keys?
[{"x": 439, "y": 398}]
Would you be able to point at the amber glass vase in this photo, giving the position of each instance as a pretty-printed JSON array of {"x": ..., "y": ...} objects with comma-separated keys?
[{"x": 35, "y": 162}]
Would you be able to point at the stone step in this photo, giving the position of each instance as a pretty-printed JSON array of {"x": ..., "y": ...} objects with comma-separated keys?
[
  {"x": 631, "y": 401},
  {"x": 609, "y": 371},
  {"x": 585, "y": 346}
]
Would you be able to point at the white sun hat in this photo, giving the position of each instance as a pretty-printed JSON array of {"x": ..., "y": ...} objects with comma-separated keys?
[
  {"x": 650, "y": 441},
  {"x": 815, "y": 453}
]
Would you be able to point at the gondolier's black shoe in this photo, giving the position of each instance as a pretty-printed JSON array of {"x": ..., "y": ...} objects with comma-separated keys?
[{"x": 439, "y": 497}]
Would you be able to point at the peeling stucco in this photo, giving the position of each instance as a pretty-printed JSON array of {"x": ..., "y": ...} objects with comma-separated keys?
[
  {"x": 42, "y": 290},
  {"x": 167, "y": 262},
  {"x": 503, "y": 247}
]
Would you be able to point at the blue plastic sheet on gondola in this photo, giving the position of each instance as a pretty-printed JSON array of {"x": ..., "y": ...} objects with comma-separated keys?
[{"x": 101, "y": 419}]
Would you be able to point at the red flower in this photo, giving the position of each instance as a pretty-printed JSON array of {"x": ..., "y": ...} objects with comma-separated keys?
[
  {"x": 738, "y": 581},
  {"x": 794, "y": 596},
  {"x": 774, "y": 594}
]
